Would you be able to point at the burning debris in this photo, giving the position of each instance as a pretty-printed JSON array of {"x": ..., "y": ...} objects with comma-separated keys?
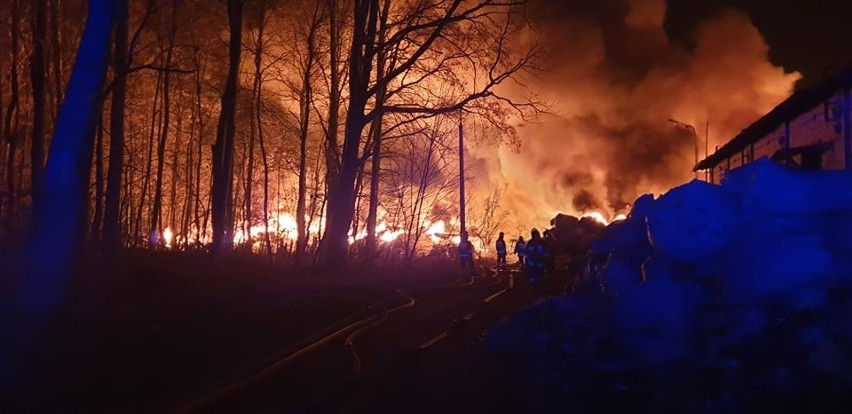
[{"x": 614, "y": 85}]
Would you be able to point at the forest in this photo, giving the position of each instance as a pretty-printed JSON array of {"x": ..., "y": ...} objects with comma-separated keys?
[{"x": 305, "y": 131}]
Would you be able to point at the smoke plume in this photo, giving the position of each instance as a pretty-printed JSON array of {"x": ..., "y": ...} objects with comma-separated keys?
[{"x": 615, "y": 81}]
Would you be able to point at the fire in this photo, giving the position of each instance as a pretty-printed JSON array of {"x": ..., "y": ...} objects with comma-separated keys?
[
  {"x": 596, "y": 216},
  {"x": 283, "y": 227},
  {"x": 167, "y": 237},
  {"x": 286, "y": 224},
  {"x": 435, "y": 230},
  {"x": 600, "y": 218},
  {"x": 390, "y": 236}
]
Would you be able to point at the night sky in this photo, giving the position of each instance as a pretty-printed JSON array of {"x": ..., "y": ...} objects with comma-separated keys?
[{"x": 813, "y": 37}]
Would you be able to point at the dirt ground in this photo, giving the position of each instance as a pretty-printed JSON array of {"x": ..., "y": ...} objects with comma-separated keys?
[{"x": 161, "y": 327}]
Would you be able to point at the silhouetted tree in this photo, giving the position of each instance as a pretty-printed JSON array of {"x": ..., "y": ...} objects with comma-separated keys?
[
  {"x": 10, "y": 132},
  {"x": 223, "y": 149},
  {"x": 58, "y": 219},
  {"x": 37, "y": 71},
  {"x": 434, "y": 41},
  {"x": 120, "y": 63},
  {"x": 155, "y": 230}
]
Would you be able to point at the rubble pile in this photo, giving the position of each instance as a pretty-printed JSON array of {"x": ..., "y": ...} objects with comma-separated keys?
[
  {"x": 710, "y": 299},
  {"x": 571, "y": 236}
]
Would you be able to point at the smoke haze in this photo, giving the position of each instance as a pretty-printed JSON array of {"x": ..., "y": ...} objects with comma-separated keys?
[{"x": 615, "y": 79}]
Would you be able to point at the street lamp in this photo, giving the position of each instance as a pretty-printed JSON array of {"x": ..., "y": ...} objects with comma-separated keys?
[{"x": 694, "y": 135}]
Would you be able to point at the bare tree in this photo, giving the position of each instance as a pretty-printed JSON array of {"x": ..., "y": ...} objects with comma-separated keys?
[
  {"x": 433, "y": 42},
  {"x": 332, "y": 146},
  {"x": 149, "y": 159},
  {"x": 112, "y": 228},
  {"x": 223, "y": 150},
  {"x": 381, "y": 67},
  {"x": 429, "y": 175},
  {"x": 37, "y": 71},
  {"x": 56, "y": 48},
  {"x": 258, "y": 94},
  {"x": 305, "y": 103},
  {"x": 486, "y": 218},
  {"x": 10, "y": 132},
  {"x": 155, "y": 230},
  {"x": 99, "y": 181},
  {"x": 58, "y": 218}
]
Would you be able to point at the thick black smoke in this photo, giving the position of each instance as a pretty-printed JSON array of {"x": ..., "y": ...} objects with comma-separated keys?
[{"x": 615, "y": 80}]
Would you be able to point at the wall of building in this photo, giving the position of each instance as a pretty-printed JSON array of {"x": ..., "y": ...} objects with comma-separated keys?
[{"x": 824, "y": 123}]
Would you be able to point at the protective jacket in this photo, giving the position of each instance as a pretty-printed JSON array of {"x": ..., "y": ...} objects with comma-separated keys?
[
  {"x": 501, "y": 247},
  {"x": 520, "y": 248},
  {"x": 465, "y": 249}
]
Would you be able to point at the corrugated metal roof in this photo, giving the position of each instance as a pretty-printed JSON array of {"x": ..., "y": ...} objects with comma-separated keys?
[{"x": 797, "y": 104}]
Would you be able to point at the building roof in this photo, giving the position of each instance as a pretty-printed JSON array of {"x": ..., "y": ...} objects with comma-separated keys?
[{"x": 797, "y": 104}]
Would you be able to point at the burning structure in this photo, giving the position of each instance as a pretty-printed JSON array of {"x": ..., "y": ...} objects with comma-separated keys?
[{"x": 812, "y": 129}]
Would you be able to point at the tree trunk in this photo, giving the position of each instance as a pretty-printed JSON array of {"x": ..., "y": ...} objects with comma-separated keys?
[
  {"x": 10, "y": 184},
  {"x": 223, "y": 150},
  {"x": 57, "y": 55},
  {"x": 375, "y": 173},
  {"x": 112, "y": 213},
  {"x": 146, "y": 179},
  {"x": 200, "y": 231},
  {"x": 155, "y": 230},
  {"x": 249, "y": 183},
  {"x": 414, "y": 227},
  {"x": 128, "y": 178},
  {"x": 3, "y": 148},
  {"x": 373, "y": 207},
  {"x": 57, "y": 218},
  {"x": 258, "y": 94},
  {"x": 341, "y": 198},
  {"x": 37, "y": 71},
  {"x": 173, "y": 204},
  {"x": 9, "y": 132},
  {"x": 95, "y": 232},
  {"x": 189, "y": 179},
  {"x": 315, "y": 201},
  {"x": 332, "y": 149},
  {"x": 306, "y": 99}
]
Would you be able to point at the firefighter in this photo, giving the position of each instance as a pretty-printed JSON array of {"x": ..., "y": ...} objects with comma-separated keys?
[
  {"x": 536, "y": 257},
  {"x": 521, "y": 251},
  {"x": 500, "y": 245},
  {"x": 466, "y": 255},
  {"x": 550, "y": 243}
]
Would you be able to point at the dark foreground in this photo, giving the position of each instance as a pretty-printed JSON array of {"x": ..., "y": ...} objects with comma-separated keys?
[{"x": 163, "y": 331}]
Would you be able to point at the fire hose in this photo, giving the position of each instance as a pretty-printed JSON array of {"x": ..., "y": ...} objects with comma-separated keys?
[{"x": 352, "y": 326}]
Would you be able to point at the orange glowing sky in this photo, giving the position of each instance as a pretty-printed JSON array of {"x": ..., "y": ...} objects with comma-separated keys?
[{"x": 614, "y": 82}]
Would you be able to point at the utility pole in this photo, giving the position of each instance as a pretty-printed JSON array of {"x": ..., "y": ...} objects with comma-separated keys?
[
  {"x": 462, "y": 227},
  {"x": 694, "y": 135}
]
